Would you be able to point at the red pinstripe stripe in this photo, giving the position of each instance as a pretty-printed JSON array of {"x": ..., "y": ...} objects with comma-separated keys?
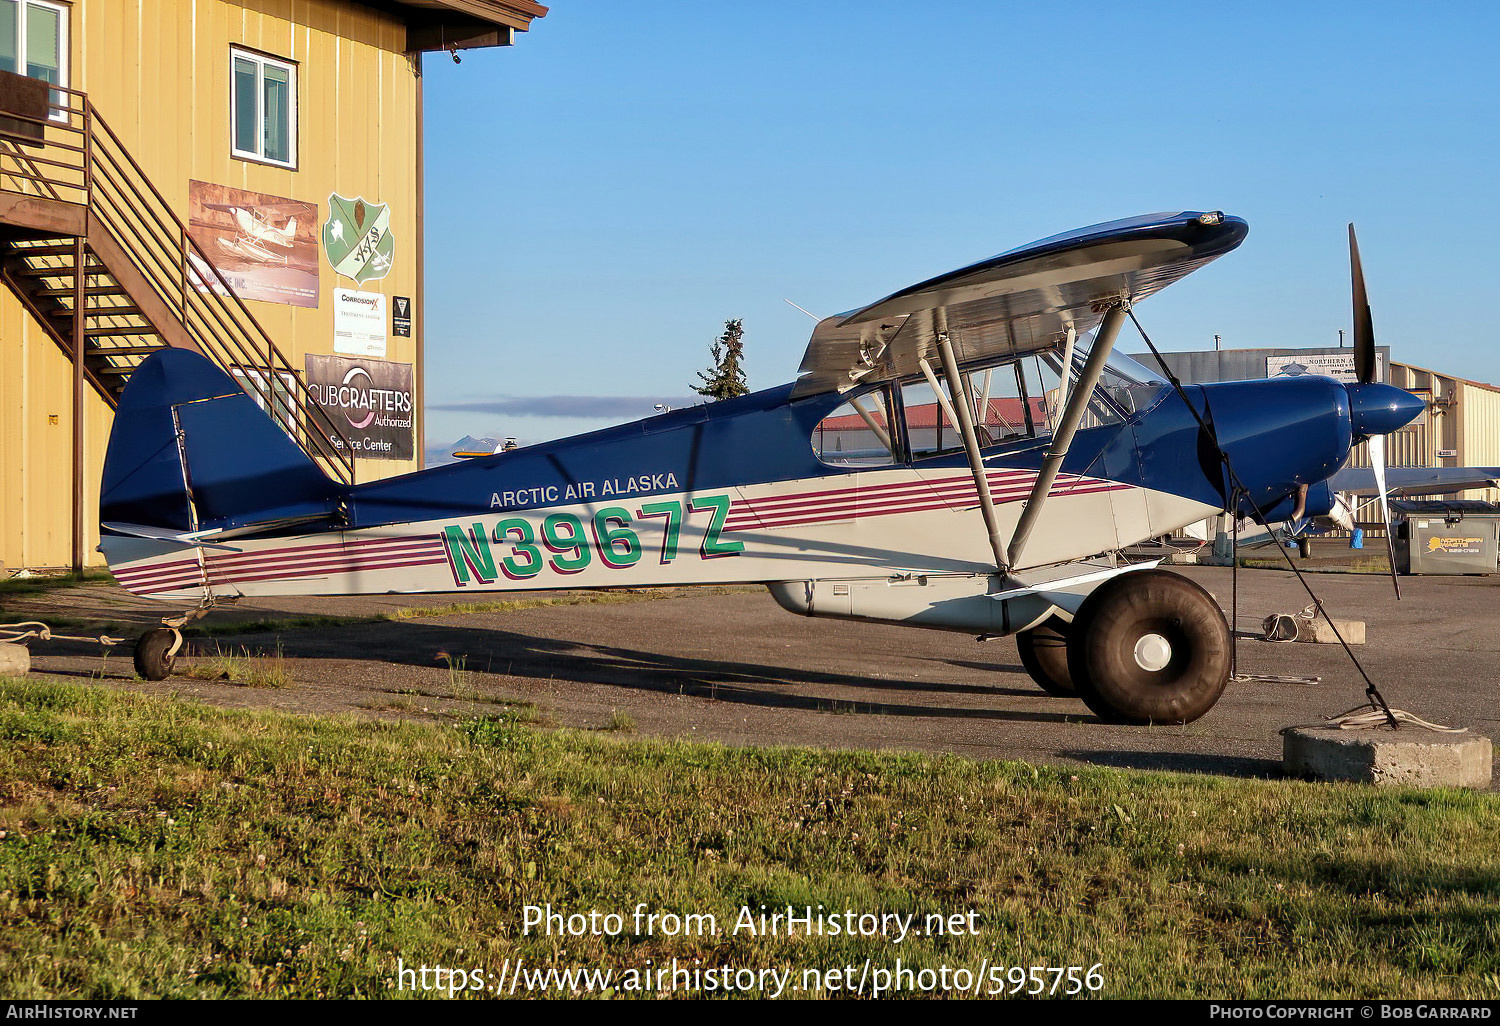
[
  {"x": 853, "y": 499},
  {"x": 894, "y": 504},
  {"x": 858, "y": 513},
  {"x": 775, "y": 502},
  {"x": 290, "y": 569},
  {"x": 331, "y": 571},
  {"x": 285, "y": 551},
  {"x": 303, "y": 572},
  {"x": 152, "y": 569},
  {"x": 293, "y": 554},
  {"x": 220, "y": 567},
  {"x": 249, "y": 562},
  {"x": 959, "y": 488}
]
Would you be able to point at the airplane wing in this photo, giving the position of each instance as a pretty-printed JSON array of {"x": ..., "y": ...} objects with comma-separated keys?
[
  {"x": 1015, "y": 303},
  {"x": 1415, "y": 480}
]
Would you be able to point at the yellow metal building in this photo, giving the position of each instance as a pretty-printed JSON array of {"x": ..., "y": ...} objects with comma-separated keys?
[
  {"x": 1460, "y": 427},
  {"x": 231, "y": 174}
]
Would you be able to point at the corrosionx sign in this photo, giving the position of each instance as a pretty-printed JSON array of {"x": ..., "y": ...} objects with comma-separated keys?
[{"x": 359, "y": 323}]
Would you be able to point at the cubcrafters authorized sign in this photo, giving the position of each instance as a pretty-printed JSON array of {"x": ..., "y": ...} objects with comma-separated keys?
[{"x": 370, "y": 401}]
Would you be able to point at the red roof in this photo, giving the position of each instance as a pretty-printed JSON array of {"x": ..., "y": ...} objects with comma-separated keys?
[{"x": 926, "y": 416}]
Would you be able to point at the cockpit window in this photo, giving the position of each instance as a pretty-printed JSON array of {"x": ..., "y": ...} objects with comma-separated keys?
[
  {"x": 858, "y": 433},
  {"x": 930, "y": 427},
  {"x": 1018, "y": 401},
  {"x": 1005, "y": 404}
]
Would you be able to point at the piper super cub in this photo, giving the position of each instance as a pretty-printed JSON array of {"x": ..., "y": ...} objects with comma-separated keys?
[{"x": 960, "y": 455}]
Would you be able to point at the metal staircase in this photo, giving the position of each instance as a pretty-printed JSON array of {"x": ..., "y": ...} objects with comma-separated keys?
[{"x": 105, "y": 266}]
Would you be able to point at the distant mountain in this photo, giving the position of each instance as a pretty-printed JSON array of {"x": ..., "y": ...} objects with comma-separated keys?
[{"x": 441, "y": 454}]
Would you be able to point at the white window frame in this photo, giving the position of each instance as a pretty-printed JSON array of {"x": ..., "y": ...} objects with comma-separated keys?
[
  {"x": 63, "y": 71},
  {"x": 261, "y": 61}
]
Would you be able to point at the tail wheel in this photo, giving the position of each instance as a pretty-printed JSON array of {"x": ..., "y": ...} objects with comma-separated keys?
[
  {"x": 1044, "y": 653},
  {"x": 1149, "y": 647},
  {"x": 155, "y": 652}
]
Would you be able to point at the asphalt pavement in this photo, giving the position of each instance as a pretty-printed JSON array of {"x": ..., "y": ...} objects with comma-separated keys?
[{"x": 731, "y": 666}]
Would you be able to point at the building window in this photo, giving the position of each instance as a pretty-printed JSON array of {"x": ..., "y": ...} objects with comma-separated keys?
[
  {"x": 264, "y": 108},
  {"x": 34, "y": 42}
]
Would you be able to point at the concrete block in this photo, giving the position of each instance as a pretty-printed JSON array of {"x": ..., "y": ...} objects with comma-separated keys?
[
  {"x": 15, "y": 660},
  {"x": 1412, "y": 756},
  {"x": 1319, "y": 632}
]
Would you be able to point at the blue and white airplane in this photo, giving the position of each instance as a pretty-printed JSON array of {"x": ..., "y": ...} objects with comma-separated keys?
[{"x": 960, "y": 455}]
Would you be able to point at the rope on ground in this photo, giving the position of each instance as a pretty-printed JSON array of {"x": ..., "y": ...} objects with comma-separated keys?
[
  {"x": 1367, "y": 717},
  {"x": 1271, "y": 678},
  {"x": 14, "y": 633}
]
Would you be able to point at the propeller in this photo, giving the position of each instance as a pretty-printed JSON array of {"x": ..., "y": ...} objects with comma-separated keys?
[{"x": 1364, "y": 370}]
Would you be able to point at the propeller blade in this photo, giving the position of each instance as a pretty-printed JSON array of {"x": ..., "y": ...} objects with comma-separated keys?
[
  {"x": 1364, "y": 327},
  {"x": 1377, "y": 463}
]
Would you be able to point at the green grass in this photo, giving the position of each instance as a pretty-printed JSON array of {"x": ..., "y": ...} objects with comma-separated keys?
[
  {"x": 1379, "y": 565},
  {"x": 39, "y": 585},
  {"x": 246, "y": 668},
  {"x": 155, "y": 847}
]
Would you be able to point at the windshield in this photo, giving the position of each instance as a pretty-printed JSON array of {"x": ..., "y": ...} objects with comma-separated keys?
[
  {"x": 1125, "y": 386},
  {"x": 1133, "y": 371}
]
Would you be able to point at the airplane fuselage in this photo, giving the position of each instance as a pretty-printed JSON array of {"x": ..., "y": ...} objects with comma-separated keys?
[{"x": 733, "y": 492}]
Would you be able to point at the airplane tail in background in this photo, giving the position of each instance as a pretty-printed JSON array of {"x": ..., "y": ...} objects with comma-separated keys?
[{"x": 191, "y": 455}]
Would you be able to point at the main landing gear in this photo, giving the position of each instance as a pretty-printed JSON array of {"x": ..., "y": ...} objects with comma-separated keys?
[
  {"x": 1145, "y": 647},
  {"x": 1044, "y": 653}
]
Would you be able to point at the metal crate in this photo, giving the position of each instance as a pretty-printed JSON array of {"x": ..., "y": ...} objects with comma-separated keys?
[{"x": 1435, "y": 537}]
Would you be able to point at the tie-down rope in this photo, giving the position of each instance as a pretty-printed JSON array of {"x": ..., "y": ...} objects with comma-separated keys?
[
  {"x": 1367, "y": 717},
  {"x": 1237, "y": 492},
  {"x": 14, "y": 633}
]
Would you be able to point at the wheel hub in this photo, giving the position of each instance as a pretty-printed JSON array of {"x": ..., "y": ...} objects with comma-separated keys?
[{"x": 1153, "y": 652}]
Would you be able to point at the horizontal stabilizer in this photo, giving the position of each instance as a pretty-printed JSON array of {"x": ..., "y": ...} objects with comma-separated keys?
[{"x": 158, "y": 534}]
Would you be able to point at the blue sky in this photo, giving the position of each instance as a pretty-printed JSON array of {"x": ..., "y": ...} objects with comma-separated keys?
[{"x": 604, "y": 194}]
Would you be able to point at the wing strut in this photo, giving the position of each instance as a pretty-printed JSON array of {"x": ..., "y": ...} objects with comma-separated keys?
[
  {"x": 965, "y": 408},
  {"x": 873, "y": 425},
  {"x": 1078, "y": 400}
]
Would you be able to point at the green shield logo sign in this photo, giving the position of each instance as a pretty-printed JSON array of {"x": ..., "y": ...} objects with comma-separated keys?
[{"x": 357, "y": 238}]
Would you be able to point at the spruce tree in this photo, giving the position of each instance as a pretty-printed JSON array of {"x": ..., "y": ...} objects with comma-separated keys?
[{"x": 726, "y": 378}]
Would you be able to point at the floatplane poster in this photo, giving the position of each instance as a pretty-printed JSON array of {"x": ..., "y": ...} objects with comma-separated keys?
[{"x": 266, "y": 247}]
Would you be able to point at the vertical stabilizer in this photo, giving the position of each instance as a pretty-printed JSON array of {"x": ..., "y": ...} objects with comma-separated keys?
[{"x": 190, "y": 451}]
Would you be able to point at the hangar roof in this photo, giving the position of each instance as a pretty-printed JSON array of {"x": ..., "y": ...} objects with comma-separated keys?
[
  {"x": 516, "y": 14},
  {"x": 462, "y": 24}
]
